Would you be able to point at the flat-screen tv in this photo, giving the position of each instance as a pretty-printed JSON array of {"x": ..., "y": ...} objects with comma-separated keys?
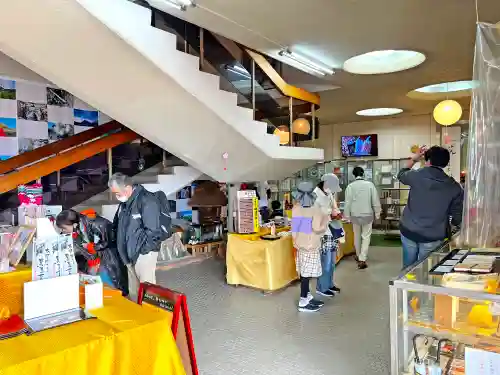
[{"x": 359, "y": 145}]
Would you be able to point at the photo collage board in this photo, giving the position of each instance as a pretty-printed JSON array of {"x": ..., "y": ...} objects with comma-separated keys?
[{"x": 34, "y": 114}]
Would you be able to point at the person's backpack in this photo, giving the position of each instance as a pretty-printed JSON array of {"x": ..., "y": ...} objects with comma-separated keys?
[{"x": 165, "y": 219}]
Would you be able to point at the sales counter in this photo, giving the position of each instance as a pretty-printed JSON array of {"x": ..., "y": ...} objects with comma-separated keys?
[
  {"x": 125, "y": 338},
  {"x": 268, "y": 265},
  {"x": 261, "y": 264}
]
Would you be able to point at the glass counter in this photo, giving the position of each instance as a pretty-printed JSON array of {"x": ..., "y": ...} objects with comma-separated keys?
[{"x": 426, "y": 308}]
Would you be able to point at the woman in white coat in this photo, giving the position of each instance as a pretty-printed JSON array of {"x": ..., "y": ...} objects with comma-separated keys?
[{"x": 362, "y": 206}]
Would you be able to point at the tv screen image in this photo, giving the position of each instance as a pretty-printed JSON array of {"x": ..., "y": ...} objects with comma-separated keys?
[{"x": 359, "y": 145}]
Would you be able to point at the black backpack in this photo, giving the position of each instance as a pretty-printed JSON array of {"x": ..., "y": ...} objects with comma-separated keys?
[{"x": 165, "y": 218}]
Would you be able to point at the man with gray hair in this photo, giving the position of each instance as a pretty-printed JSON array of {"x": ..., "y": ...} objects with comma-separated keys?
[{"x": 138, "y": 229}]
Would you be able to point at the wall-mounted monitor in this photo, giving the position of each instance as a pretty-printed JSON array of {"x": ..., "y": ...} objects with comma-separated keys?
[{"x": 359, "y": 145}]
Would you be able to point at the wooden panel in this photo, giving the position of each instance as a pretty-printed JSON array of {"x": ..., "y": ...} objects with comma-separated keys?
[
  {"x": 12, "y": 180},
  {"x": 285, "y": 88},
  {"x": 57, "y": 147}
]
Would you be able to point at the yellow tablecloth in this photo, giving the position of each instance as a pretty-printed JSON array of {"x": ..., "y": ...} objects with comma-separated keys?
[
  {"x": 261, "y": 264},
  {"x": 347, "y": 247},
  {"x": 11, "y": 289},
  {"x": 124, "y": 339}
]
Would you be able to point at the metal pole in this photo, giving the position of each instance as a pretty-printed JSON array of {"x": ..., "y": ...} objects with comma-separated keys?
[
  {"x": 202, "y": 48},
  {"x": 313, "y": 113},
  {"x": 185, "y": 39},
  {"x": 58, "y": 181},
  {"x": 253, "y": 88},
  {"x": 109, "y": 156},
  {"x": 164, "y": 159},
  {"x": 290, "y": 107}
]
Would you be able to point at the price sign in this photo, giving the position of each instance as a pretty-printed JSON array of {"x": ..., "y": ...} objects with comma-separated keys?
[{"x": 175, "y": 303}]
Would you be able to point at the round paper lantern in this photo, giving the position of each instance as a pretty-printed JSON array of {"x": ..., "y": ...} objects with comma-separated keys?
[
  {"x": 283, "y": 133},
  {"x": 447, "y": 112},
  {"x": 301, "y": 126}
]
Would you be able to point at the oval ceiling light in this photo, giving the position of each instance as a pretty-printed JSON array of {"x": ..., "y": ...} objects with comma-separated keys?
[
  {"x": 444, "y": 90},
  {"x": 384, "y": 61},
  {"x": 447, "y": 87},
  {"x": 379, "y": 112}
]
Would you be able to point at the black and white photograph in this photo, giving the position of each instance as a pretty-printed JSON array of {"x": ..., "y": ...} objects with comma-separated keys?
[
  {"x": 31, "y": 111},
  {"x": 59, "y": 97},
  {"x": 59, "y": 130},
  {"x": 27, "y": 144}
]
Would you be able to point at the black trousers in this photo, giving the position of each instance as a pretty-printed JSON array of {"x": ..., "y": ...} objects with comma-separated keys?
[{"x": 304, "y": 286}]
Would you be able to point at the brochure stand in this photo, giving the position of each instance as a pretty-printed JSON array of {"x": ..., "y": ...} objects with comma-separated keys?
[{"x": 181, "y": 327}]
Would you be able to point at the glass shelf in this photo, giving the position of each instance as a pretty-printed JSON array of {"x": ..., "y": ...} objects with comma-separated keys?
[{"x": 439, "y": 307}]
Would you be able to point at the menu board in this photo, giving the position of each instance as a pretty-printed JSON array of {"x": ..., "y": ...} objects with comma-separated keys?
[
  {"x": 157, "y": 300},
  {"x": 248, "y": 211},
  {"x": 53, "y": 257}
]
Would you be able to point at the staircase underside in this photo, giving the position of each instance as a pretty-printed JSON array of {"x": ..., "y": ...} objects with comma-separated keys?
[{"x": 156, "y": 91}]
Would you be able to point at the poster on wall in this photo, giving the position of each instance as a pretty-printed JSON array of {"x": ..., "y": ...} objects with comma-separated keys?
[
  {"x": 33, "y": 114},
  {"x": 8, "y": 127},
  {"x": 31, "y": 111},
  {"x": 86, "y": 118},
  {"x": 59, "y": 97},
  {"x": 27, "y": 144},
  {"x": 7, "y": 89},
  {"x": 450, "y": 139},
  {"x": 58, "y": 131}
]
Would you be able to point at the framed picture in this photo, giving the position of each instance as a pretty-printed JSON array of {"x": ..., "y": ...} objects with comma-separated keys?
[{"x": 20, "y": 243}]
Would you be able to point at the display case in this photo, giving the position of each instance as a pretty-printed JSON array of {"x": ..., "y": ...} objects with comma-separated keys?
[{"x": 444, "y": 323}]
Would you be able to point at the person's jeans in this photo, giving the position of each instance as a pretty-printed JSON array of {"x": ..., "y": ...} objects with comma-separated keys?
[
  {"x": 413, "y": 251},
  {"x": 325, "y": 281}
]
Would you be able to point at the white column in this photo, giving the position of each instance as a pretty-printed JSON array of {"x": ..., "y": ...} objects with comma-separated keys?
[{"x": 450, "y": 139}]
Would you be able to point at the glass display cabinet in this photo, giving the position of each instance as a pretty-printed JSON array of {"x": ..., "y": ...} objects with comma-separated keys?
[{"x": 445, "y": 323}]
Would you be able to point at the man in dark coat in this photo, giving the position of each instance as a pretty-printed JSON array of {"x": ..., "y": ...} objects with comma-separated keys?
[{"x": 138, "y": 229}]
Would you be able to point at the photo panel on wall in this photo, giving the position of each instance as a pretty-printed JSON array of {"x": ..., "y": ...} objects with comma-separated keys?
[
  {"x": 32, "y": 111},
  {"x": 58, "y": 130},
  {"x": 7, "y": 89},
  {"x": 8, "y": 127},
  {"x": 86, "y": 118},
  {"x": 27, "y": 144},
  {"x": 59, "y": 97}
]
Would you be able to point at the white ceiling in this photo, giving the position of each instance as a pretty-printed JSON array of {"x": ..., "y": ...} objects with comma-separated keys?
[{"x": 332, "y": 31}]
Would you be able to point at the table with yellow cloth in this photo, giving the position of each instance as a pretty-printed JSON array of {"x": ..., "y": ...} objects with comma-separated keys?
[
  {"x": 261, "y": 264},
  {"x": 346, "y": 248},
  {"x": 126, "y": 338}
]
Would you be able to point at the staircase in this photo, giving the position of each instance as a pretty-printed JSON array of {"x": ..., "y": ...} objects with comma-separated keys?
[
  {"x": 169, "y": 180},
  {"x": 107, "y": 54}
]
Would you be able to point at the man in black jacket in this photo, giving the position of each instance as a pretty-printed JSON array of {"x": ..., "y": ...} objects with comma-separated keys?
[
  {"x": 138, "y": 229},
  {"x": 434, "y": 200}
]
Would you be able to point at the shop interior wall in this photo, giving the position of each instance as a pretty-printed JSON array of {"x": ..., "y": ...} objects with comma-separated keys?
[
  {"x": 11, "y": 68},
  {"x": 395, "y": 135}
]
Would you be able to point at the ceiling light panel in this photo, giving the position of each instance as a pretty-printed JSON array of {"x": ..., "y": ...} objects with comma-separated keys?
[
  {"x": 384, "y": 61},
  {"x": 447, "y": 87},
  {"x": 379, "y": 112}
]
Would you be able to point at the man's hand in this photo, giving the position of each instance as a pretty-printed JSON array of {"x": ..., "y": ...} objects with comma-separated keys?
[
  {"x": 419, "y": 155},
  {"x": 415, "y": 158}
]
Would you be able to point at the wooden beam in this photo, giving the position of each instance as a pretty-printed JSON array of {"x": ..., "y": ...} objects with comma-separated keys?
[
  {"x": 57, "y": 147},
  {"x": 285, "y": 88},
  {"x": 12, "y": 180}
]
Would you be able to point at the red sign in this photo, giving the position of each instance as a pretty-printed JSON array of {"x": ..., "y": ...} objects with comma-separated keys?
[{"x": 176, "y": 303}]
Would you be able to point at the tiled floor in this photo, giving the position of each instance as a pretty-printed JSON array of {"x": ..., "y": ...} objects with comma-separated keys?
[{"x": 240, "y": 331}]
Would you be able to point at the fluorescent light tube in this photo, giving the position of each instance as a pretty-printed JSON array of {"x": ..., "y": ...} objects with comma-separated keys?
[
  {"x": 238, "y": 70},
  {"x": 178, "y": 4},
  {"x": 311, "y": 65}
]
